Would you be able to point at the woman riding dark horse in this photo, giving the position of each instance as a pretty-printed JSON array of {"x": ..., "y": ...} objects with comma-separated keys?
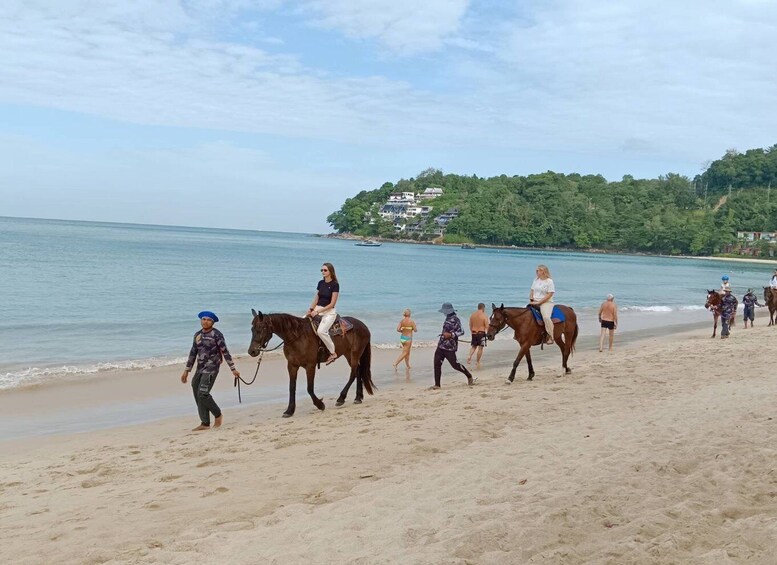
[
  {"x": 301, "y": 348},
  {"x": 529, "y": 333}
]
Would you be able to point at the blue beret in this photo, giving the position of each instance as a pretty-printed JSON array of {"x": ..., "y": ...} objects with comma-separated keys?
[{"x": 208, "y": 314}]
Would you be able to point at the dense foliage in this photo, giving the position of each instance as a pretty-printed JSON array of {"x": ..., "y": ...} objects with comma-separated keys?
[{"x": 670, "y": 214}]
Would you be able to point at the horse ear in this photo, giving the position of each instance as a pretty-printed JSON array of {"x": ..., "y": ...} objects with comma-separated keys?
[
  {"x": 493, "y": 306},
  {"x": 253, "y": 312},
  {"x": 502, "y": 307}
]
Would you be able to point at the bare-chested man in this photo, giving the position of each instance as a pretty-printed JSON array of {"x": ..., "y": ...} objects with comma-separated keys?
[
  {"x": 478, "y": 325},
  {"x": 608, "y": 318}
]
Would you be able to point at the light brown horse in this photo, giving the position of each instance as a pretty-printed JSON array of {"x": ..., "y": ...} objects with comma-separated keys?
[
  {"x": 529, "y": 333},
  {"x": 770, "y": 298},
  {"x": 301, "y": 349},
  {"x": 713, "y": 303}
]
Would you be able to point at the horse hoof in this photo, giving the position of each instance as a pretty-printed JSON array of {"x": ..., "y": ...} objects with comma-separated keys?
[
  {"x": 508, "y": 382},
  {"x": 339, "y": 402},
  {"x": 287, "y": 415},
  {"x": 357, "y": 401},
  {"x": 568, "y": 371}
]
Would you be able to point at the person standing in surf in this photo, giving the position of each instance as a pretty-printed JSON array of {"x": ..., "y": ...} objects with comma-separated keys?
[{"x": 208, "y": 348}]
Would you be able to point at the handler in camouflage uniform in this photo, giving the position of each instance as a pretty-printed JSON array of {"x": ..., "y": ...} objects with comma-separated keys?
[{"x": 208, "y": 348}]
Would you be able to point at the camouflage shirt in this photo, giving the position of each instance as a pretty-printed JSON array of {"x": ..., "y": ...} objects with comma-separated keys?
[
  {"x": 728, "y": 305},
  {"x": 750, "y": 300},
  {"x": 208, "y": 348},
  {"x": 452, "y": 325}
]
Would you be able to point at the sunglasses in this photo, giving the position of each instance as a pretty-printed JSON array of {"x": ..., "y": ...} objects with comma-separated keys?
[{"x": 324, "y": 270}]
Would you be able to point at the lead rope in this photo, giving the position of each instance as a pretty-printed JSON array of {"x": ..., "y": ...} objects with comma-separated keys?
[{"x": 239, "y": 380}]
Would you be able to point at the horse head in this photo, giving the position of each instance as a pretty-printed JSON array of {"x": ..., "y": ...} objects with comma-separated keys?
[
  {"x": 713, "y": 299},
  {"x": 497, "y": 322},
  {"x": 261, "y": 333}
]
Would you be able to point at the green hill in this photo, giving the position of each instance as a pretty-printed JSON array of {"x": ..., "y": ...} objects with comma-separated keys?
[{"x": 668, "y": 214}]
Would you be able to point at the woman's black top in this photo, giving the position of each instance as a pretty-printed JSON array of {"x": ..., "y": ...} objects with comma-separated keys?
[{"x": 325, "y": 291}]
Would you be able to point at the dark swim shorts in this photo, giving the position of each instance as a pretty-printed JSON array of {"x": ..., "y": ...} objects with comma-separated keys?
[
  {"x": 478, "y": 339},
  {"x": 608, "y": 325}
]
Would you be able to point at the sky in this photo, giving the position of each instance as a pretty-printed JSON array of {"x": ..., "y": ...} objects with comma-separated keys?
[{"x": 268, "y": 114}]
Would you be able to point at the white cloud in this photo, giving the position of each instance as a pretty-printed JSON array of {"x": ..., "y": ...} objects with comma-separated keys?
[
  {"x": 404, "y": 26},
  {"x": 687, "y": 77},
  {"x": 151, "y": 69}
]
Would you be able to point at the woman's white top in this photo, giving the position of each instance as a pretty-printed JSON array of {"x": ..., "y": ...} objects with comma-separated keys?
[
  {"x": 773, "y": 282},
  {"x": 541, "y": 288}
]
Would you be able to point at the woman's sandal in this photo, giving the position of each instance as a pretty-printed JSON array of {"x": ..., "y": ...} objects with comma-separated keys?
[{"x": 332, "y": 359}]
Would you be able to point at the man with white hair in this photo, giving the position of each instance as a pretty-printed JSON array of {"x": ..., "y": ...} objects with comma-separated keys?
[{"x": 608, "y": 318}]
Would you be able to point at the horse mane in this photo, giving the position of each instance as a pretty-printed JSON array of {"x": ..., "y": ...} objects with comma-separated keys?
[{"x": 286, "y": 322}]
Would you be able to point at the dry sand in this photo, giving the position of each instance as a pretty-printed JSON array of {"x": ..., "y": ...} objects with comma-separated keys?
[{"x": 660, "y": 452}]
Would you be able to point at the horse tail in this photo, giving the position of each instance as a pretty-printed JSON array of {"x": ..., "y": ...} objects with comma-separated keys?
[
  {"x": 574, "y": 338},
  {"x": 365, "y": 374}
]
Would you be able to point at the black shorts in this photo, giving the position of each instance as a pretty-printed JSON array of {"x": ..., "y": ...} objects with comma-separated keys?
[
  {"x": 478, "y": 340},
  {"x": 608, "y": 325}
]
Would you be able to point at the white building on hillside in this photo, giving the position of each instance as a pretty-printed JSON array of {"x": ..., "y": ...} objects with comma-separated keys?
[{"x": 431, "y": 192}]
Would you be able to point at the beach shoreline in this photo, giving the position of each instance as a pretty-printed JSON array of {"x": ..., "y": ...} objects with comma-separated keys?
[
  {"x": 660, "y": 451},
  {"x": 131, "y": 397},
  {"x": 592, "y": 251}
]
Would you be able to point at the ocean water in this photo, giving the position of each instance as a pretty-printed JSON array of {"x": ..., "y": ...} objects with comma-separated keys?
[{"x": 80, "y": 298}]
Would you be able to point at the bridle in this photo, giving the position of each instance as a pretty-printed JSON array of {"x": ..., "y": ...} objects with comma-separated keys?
[{"x": 262, "y": 351}]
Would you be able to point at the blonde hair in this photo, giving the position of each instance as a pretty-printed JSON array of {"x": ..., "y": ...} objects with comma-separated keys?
[
  {"x": 544, "y": 270},
  {"x": 406, "y": 312}
]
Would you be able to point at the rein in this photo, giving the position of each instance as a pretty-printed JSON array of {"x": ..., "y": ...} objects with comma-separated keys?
[{"x": 239, "y": 380}]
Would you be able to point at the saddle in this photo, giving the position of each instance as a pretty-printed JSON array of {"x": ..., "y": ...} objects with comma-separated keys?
[
  {"x": 340, "y": 327},
  {"x": 557, "y": 316}
]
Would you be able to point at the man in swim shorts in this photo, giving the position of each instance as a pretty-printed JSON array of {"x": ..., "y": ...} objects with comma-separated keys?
[
  {"x": 608, "y": 318},
  {"x": 478, "y": 325}
]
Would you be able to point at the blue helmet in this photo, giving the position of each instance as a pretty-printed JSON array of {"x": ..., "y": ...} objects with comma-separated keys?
[{"x": 725, "y": 277}]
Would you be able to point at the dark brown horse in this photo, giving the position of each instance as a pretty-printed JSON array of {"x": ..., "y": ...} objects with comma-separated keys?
[
  {"x": 770, "y": 298},
  {"x": 528, "y": 333},
  {"x": 714, "y": 300},
  {"x": 301, "y": 348}
]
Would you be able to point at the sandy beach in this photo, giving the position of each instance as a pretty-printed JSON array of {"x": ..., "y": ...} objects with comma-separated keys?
[{"x": 662, "y": 451}]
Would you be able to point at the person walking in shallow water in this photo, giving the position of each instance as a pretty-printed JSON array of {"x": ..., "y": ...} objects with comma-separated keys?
[
  {"x": 478, "y": 326},
  {"x": 448, "y": 344},
  {"x": 608, "y": 318},
  {"x": 406, "y": 327},
  {"x": 208, "y": 348}
]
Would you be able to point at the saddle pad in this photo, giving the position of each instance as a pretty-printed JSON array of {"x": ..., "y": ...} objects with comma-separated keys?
[
  {"x": 340, "y": 326},
  {"x": 557, "y": 316}
]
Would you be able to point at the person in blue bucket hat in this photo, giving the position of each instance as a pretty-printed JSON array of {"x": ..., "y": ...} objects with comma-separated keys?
[{"x": 208, "y": 348}]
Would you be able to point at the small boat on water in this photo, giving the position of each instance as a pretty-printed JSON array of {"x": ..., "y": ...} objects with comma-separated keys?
[
  {"x": 467, "y": 246},
  {"x": 368, "y": 243}
]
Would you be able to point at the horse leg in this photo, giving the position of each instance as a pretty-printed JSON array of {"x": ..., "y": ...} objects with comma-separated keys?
[
  {"x": 292, "y": 391},
  {"x": 529, "y": 364},
  {"x": 311, "y": 372},
  {"x": 521, "y": 353},
  {"x": 715, "y": 325},
  {"x": 564, "y": 354}
]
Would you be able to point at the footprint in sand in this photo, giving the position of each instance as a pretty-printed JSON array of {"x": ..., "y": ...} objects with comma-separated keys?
[{"x": 219, "y": 490}]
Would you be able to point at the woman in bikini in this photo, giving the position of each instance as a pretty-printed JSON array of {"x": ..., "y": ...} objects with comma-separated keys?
[{"x": 406, "y": 327}]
